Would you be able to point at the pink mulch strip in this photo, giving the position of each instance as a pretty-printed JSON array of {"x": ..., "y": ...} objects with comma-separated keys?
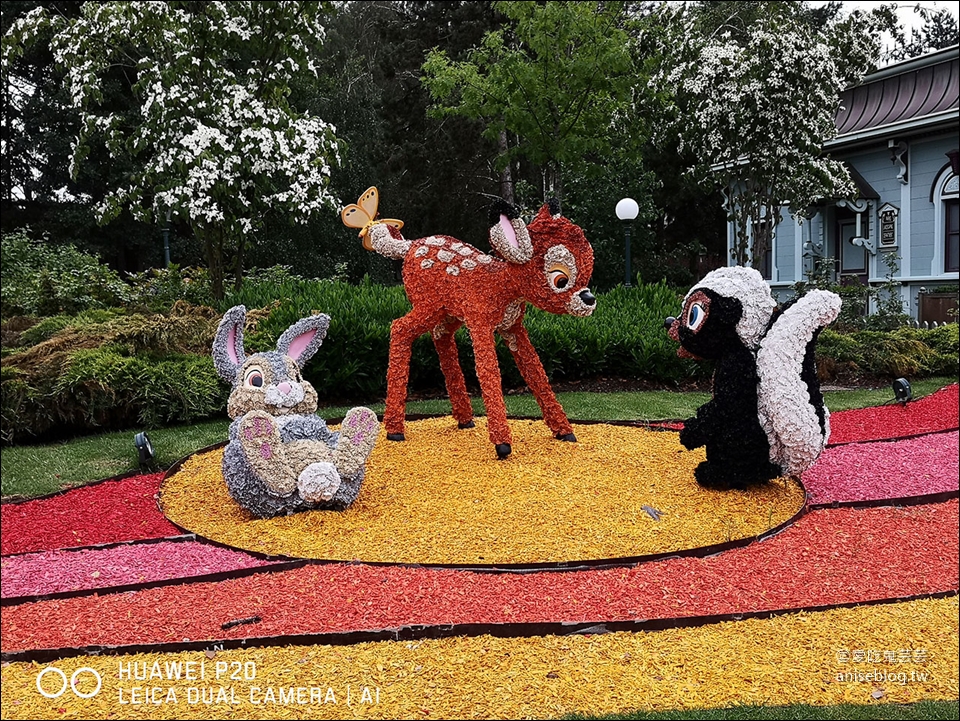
[
  {"x": 894, "y": 469},
  {"x": 939, "y": 411},
  {"x": 37, "y": 574},
  {"x": 828, "y": 556},
  {"x": 122, "y": 510}
]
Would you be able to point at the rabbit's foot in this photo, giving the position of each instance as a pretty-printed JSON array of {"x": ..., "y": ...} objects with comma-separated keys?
[
  {"x": 358, "y": 433},
  {"x": 260, "y": 440},
  {"x": 318, "y": 482}
]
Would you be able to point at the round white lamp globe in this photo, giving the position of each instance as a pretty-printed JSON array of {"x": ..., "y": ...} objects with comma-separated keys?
[{"x": 627, "y": 209}]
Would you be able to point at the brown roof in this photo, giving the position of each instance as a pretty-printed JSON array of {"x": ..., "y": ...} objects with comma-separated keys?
[{"x": 909, "y": 91}]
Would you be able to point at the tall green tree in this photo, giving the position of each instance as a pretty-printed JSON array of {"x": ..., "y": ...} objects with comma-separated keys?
[
  {"x": 733, "y": 73},
  {"x": 213, "y": 138},
  {"x": 554, "y": 77}
]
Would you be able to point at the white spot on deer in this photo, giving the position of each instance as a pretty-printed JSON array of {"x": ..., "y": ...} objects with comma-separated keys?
[
  {"x": 484, "y": 258},
  {"x": 456, "y": 246},
  {"x": 464, "y": 250},
  {"x": 421, "y": 251},
  {"x": 468, "y": 264},
  {"x": 510, "y": 316},
  {"x": 427, "y": 263},
  {"x": 434, "y": 240},
  {"x": 445, "y": 256},
  {"x": 453, "y": 270}
]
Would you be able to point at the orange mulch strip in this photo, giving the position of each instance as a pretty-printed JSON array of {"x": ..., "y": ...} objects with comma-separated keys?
[
  {"x": 896, "y": 653},
  {"x": 441, "y": 497}
]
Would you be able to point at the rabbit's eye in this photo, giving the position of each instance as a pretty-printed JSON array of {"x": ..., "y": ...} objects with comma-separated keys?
[{"x": 253, "y": 379}]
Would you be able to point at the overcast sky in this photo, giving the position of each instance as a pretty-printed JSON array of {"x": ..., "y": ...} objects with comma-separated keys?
[{"x": 905, "y": 10}]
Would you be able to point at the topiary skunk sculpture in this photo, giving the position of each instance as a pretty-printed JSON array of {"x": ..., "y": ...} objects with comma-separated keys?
[
  {"x": 767, "y": 417},
  {"x": 281, "y": 457}
]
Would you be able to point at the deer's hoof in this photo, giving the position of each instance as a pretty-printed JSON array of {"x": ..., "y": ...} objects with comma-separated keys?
[
  {"x": 503, "y": 450},
  {"x": 468, "y": 424},
  {"x": 568, "y": 437},
  {"x": 396, "y": 437}
]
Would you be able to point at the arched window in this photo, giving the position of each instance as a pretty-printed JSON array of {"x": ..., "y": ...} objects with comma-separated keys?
[{"x": 945, "y": 195}]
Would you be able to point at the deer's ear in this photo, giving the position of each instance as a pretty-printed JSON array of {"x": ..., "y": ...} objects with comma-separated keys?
[{"x": 508, "y": 234}]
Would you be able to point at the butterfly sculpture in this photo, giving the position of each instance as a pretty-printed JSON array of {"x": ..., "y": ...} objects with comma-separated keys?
[{"x": 363, "y": 215}]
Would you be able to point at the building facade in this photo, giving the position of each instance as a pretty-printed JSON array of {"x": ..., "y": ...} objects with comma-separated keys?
[{"x": 898, "y": 135}]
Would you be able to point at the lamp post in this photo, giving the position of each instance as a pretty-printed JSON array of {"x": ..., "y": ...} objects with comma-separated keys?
[
  {"x": 166, "y": 240},
  {"x": 627, "y": 211}
]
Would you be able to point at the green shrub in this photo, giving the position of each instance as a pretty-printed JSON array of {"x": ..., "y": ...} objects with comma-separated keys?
[
  {"x": 157, "y": 289},
  {"x": 901, "y": 352},
  {"x": 120, "y": 371},
  {"x": 42, "y": 279},
  {"x": 46, "y": 328}
]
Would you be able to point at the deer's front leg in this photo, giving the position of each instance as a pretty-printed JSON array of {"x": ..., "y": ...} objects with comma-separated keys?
[
  {"x": 532, "y": 371},
  {"x": 488, "y": 371},
  {"x": 403, "y": 332}
]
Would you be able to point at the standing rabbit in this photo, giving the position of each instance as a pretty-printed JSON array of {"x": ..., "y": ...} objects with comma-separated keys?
[{"x": 281, "y": 457}]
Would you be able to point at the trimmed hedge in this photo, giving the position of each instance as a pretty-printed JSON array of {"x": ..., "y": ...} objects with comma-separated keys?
[
  {"x": 624, "y": 337},
  {"x": 114, "y": 368}
]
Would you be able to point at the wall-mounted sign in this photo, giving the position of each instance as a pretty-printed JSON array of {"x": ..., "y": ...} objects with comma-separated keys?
[{"x": 888, "y": 225}]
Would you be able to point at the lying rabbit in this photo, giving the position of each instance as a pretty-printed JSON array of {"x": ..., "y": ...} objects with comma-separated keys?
[{"x": 281, "y": 457}]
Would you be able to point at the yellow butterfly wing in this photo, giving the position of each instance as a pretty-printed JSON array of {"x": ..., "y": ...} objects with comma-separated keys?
[
  {"x": 353, "y": 216},
  {"x": 370, "y": 201}
]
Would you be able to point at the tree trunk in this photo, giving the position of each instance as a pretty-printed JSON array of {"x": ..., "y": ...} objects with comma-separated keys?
[
  {"x": 213, "y": 248},
  {"x": 506, "y": 175},
  {"x": 238, "y": 267}
]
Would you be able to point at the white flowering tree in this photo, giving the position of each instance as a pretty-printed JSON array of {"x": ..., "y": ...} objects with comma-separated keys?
[
  {"x": 754, "y": 98},
  {"x": 210, "y": 135}
]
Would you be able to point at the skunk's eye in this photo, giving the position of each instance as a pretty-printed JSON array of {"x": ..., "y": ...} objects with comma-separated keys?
[
  {"x": 253, "y": 378},
  {"x": 695, "y": 316}
]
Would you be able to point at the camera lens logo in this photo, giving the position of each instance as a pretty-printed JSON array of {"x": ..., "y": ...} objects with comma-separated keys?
[{"x": 72, "y": 683}]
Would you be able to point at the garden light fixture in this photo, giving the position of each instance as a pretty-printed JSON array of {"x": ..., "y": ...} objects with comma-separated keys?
[
  {"x": 902, "y": 391},
  {"x": 144, "y": 448},
  {"x": 627, "y": 211}
]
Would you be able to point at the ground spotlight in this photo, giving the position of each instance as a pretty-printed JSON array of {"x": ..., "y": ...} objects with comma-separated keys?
[
  {"x": 901, "y": 391},
  {"x": 144, "y": 448}
]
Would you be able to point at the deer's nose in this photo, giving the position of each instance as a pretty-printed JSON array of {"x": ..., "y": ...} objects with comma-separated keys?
[
  {"x": 587, "y": 297},
  {"x": 668, "y": 322}
]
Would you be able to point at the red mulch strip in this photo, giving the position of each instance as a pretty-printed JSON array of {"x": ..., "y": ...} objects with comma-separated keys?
[
  {"x": 894, "y": 469},
  {"x": 122, "y": 510},
  {"x": 829, "y": 556},
  {"x": 37, "y": 574},
  {"x": 939, "y": 411}
]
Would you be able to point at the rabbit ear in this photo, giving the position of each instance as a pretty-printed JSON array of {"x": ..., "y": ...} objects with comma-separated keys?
[
  {"x": 228, "y": 353},
  {"x": 301, "y": 340}
]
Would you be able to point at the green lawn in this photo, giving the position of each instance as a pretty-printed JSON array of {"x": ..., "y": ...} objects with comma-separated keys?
[{"x": 39, "y": 469}]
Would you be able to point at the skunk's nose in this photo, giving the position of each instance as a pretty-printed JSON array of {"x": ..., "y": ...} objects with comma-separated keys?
[
  {"x": 668, "y": 322},
  {"x": 587, "y": 297}
]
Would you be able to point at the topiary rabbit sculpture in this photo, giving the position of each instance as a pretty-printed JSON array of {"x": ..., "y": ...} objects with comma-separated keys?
[{"x": 281, "y": 457}]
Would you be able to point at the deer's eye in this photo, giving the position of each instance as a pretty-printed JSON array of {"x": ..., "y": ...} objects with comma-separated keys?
[
  {"x": 253, "y": 378},
  {"x": 559, "y": 279}
]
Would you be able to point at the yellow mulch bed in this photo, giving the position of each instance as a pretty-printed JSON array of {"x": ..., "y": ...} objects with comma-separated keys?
[
  {"x": 441, "y": 497},
  {"x": 787, "y": 660}
]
